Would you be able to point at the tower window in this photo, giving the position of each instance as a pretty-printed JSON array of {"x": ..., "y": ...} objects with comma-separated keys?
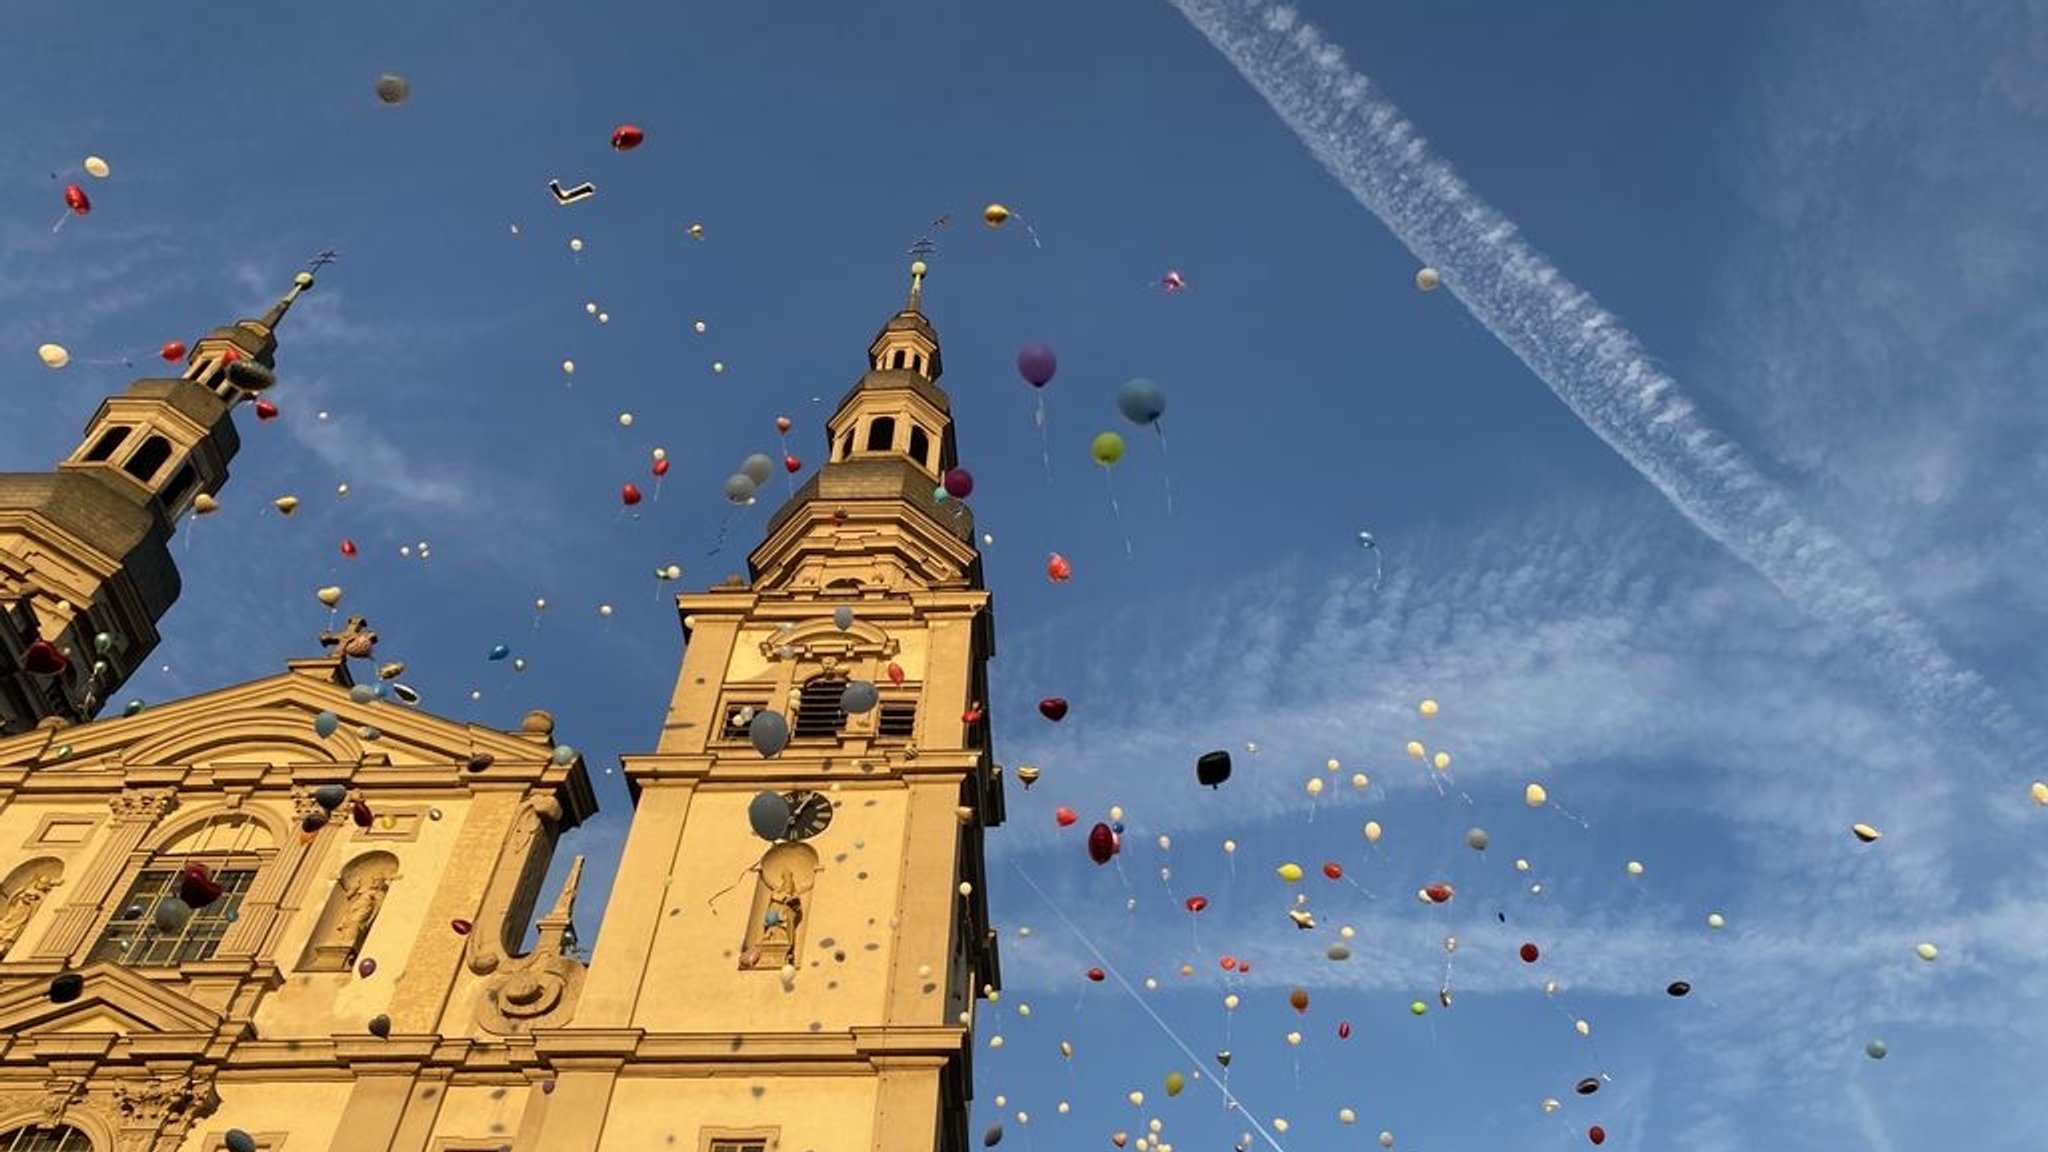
[
  {"x": 921, "y": 445},
  {"x": 145, "y": 461},
  {"x": 917, "y": 363},
  {"x": 898, "y": 721},
  {"x": 103, "y": 448},
  {"x": 818, "y": 714},
  {"x": 897, "y": 360},
  {"x": 181, "y": 485},
  {"x": 846, "y": 444},
  {"x": 882, "y": 434}
]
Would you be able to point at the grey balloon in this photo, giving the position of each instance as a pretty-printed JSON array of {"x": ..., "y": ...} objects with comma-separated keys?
[
  {"x": 330, "y": 796},
  {"x": 240, "y": 1141},
  {"x": 843, "y": 616},
  {"x": 393, "y": 88},
  {"x": 1476, "y": 839},
  {"x": 993, "y": 1136},
  {"x": 769, "y": 815},
  {"x": 1141, "y": 401},
  {"x": 859, "y": 696},
  {"x": 739, "y": 488},
  {"x": 172, "y": 914},
  {"x": 1339, "y": 951},
  {"x": 1875, "y": 1050},
  {"x": 769, "y": 732},
  {"x": 380, "y": 1026},
  {"x": 758, "y": 468}
]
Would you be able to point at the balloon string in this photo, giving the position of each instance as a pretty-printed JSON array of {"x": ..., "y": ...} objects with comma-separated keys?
[
  {"x": 1044, "y": 444},
  {"x": 1165, "y": 464},
  {"x": 60, "y": 223},
  {"x": 657, "y": 488},
  {"x": 724, "y": 525},
  {"x": 1378, "y": 573},
  {"x": 1115, "y": 509},
  {"x": 1118, "y": 976}
]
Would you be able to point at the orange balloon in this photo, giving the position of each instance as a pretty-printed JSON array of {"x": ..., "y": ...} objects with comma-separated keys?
[{"x": 1299, "y": 998}]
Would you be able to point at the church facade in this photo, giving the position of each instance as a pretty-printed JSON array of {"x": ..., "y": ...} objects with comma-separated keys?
[{"x": 287, "y": 915}]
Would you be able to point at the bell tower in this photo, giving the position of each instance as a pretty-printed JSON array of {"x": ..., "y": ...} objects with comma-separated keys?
[
  {"x": 85, "y": 563},
  {"x": 798, "y": 935}
]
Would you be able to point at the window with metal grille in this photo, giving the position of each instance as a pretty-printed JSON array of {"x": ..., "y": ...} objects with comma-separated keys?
[
  {"x": 45, "y": 1138},
  {"x": 818, "y": 714},
  {"x": 738, "y": 715},
  {"x": 135, "y": 939},
  {"x": 750, "y": 1144},
  {"x": 898, "y": 721}
]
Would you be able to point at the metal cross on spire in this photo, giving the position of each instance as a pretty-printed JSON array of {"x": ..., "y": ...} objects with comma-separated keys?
[{"x": 326, "y": 257}]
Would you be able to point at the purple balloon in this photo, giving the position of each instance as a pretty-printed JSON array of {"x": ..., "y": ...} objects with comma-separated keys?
[
  {"x": 1036, "y": 364},
  {"x": 367, "y": 967},
  {"x": 959, "y": 483}
]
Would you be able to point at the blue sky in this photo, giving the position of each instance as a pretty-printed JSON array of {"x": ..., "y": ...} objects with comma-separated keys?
[{"x": 1819, "y": 224}]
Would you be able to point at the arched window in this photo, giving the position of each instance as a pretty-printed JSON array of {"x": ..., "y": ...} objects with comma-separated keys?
[
  {"x": 846, "y": 444},
  {"x": 147, "y": 459},
  {"x": 138, "y": 936},
  {"x": 882, "y": 434},
  {"x": 103, "y": 448},
  {"x": 180, "y": 487},
  {"x": 920, "y": 446},
  {"x": 45, "y": 1138},
  {"x": 896, "y": 361},
  {"x": 818, "y": 714},
  {"x": 917, "y": 363}
]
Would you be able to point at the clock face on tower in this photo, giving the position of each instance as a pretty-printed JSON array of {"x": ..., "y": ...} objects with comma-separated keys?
[{"x": 809, "y": 814}]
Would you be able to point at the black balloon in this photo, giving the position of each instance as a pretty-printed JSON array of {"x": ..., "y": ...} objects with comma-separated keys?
[
  {"x": 1213, "y": 769},
  {"x": 1678, "y": 988},
  {"x": 1589, "y": 1085}
]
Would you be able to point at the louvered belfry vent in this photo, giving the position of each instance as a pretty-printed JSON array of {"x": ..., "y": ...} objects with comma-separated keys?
[{"x": 818, "y": 714}]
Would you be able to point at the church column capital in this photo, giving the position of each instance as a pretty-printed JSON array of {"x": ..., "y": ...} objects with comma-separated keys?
[{"x": 143, "y": 805}]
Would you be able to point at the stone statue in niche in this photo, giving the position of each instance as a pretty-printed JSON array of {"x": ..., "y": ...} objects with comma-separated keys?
[
  {"x": 362, "y": 897},
  {"x": 21, "y": 908},
  {"x": 784, "y": 888}
]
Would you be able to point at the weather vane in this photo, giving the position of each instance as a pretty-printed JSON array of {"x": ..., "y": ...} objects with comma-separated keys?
[{"x": 325, "y": 258}]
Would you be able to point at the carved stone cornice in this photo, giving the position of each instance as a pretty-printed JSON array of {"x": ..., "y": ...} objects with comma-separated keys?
[
  {"x": 163, "y": 1100},
  {"x": 143, "y": 805}
]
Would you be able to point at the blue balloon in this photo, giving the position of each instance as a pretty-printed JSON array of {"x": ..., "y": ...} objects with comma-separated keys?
[
  {"x": 1141, "y": 401},
  {"x": 500, "y": 651}
]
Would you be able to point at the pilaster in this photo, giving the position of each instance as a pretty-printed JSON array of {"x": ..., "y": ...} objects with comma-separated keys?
[{"x": 136, "y": 811}]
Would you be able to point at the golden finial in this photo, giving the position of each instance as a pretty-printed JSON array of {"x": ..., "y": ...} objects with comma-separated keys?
[{"x": 917, "y": 271}]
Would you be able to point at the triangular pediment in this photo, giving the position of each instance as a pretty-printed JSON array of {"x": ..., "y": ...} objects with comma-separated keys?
[
  {"x": 115, "y": 1001},
  {"x": 270, "y": 721}
]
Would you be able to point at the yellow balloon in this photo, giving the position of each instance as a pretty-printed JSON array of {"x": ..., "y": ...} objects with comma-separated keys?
[
  {"x": 1926, "y": 952},
  {"x": 205, "y": 505},
  {"x": 286, "y": 504},
  {"x": 1442, "y": 761},
  {"x": 330, "y": 595},
  {"x": 1428, "y": 708},
  {"x": 1294, "y": 1038},
  {"x": 1107, "y": 449},
  {"x": 1865, "y": 833},
  {"x": 1534, "y": 796},
  {"x": 2040, "y": 792},
  {"x": 1361, "y": 781},
  {"x": 97, "y": 168},
  {"x": 1137, "y": 1099},
  {"x": 1372, "y": 831},
  {"x": 995, "y": 215},
  {"x": 1315, "y": 786},
  {"x": 1174, "y": 1083},
  {"x": 1346, "y": 1117},
  {"x": 54, "y": 355},
  {"x": 1291, "y": 873},
  {"x": 1415, "y": 749},
  {"x": 1427, "y": 279}
]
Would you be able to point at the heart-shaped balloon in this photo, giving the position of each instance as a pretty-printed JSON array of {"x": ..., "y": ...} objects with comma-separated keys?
[
  {"x": 1053, "y": 708},
  {"x": 265, "y": 410},
  {"x": 1065, "y": 816},
  {"x": 197, "y": 887}
]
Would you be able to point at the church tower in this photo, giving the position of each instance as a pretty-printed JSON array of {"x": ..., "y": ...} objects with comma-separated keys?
[
  {"x": 85, "y": 562},
  {"x": 799, "y": 931}
]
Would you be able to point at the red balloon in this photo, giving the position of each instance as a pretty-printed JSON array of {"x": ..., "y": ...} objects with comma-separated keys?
[
  {"x": 1333, "y": 870},
  {"x": 360, "y": 813},
  {"x": 895, "y": 673},
  {"x": 1439, "y": 893},
  {"x": 265, "y": 410},
  {"x": 197, "y": 887},
  {"x": 972, "y": 715},
  {"x": 1053, "y": 708},
  {"x": 1065, "y": 816},
  {"x": 627, "y": 137},
  {"x": 230, "y": 355},
  {"x": 660, "y": 467},
  {"x": 46, "y": 659},
  {"x": 1096, "y": 974},
  {"x": 1343, "y": 1029},
  {"x": 1102, "y": 845},
  {"x": 1197, "y": 903},
  {"x": 1529, "y": 953},
  {"x": 1243, "y": 966},
  {"x": 348, "y": 548},
  {"x": 1597, "y": 1134},
  {"x": 629, "y": 494},
  {"x": 76, "y": 199},
  {"x": 792, "y": 465},
  {"x": 461, "y": 927},
  {"x": 959, "y": 483},
  {"x": 783, "y": 424},
  {"x": 1058, "y": 570},
  {"x": 173, "y": 351},
  {"x": 1229, "y": 963}
]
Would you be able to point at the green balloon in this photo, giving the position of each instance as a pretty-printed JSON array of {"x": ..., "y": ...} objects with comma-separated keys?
[{"x": 1107, "y": 449}]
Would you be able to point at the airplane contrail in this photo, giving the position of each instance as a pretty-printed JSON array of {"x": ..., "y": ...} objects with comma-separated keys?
[{"x": 1583, "y": 353}]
